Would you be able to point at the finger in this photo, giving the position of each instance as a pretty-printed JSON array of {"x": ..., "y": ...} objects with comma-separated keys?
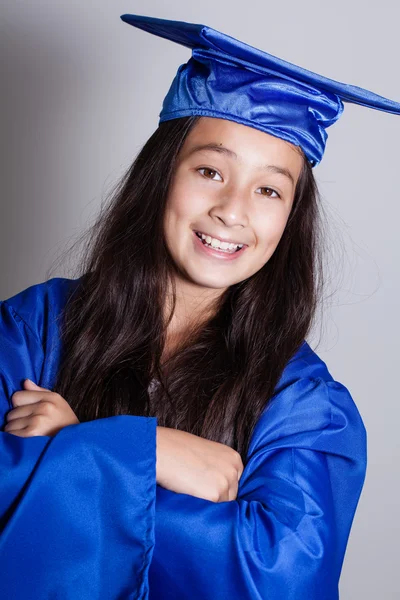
[
  {"x": 27, "y": 426},
  {"x": 30, "y": 385},
  {"x": 25, "y": 432},
  {"x": 233, "y": 490},
  {"x": 17, "y": 424},
  {"x": 22, "y": 397},
  {"x": 21, "y": 411}
]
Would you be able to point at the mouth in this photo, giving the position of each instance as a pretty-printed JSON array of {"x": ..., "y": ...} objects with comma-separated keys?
[
  {"x": 225, "y": 255},
  {"x": 227, "y": 249}
]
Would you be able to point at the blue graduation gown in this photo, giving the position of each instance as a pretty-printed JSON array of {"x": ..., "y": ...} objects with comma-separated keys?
[{"x": 81, "y": 515}]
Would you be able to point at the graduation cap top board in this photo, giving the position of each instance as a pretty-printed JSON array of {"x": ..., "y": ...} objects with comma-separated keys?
[{"x": 228, "y": 79}]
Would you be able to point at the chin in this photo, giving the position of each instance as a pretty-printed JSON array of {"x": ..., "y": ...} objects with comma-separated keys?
[{"x": 216, "y": 283}]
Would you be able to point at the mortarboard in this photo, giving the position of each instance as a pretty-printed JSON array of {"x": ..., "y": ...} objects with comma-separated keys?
[{"x": 228, "y": 79}]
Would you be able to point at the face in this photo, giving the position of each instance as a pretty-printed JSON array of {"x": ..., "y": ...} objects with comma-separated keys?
[{"x": 232, "y": 184}]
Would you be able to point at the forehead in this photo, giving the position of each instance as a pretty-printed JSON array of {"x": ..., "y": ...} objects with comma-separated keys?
[{"x": 249, "y": 147}]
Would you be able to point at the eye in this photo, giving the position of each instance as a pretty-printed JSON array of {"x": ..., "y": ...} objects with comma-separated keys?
[
  {"x": 269, "y": 193},
  {"x": 209, "y": 171}
]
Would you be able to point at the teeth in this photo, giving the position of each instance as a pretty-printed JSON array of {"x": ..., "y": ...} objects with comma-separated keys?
[{"x": 215, "y": 243}]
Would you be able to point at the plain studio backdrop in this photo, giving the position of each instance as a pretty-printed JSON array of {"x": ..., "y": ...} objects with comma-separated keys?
[{"x": 80, "y": 94}]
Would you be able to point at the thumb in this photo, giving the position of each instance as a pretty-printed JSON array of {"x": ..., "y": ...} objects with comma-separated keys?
[{"x": 30, "y": 385}]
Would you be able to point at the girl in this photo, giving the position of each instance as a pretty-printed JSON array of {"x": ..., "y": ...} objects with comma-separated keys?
[{"x": 168, "y": 432}]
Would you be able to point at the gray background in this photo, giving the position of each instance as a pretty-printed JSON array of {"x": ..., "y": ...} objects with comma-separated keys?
[{"x": 80, "y": 94}]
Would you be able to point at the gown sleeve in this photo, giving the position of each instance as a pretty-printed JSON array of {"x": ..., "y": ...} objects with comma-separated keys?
[
  {"x": 285, "y": 535},
  {"x": 77, "y": 509},
  {"x": 81, "y": 515}
]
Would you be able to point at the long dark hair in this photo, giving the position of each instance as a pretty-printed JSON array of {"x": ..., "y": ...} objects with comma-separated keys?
[{"x": 113, "y": 330}]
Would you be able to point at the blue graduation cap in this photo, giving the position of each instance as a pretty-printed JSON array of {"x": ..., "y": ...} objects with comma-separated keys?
[{"x": 228, "y": 79}]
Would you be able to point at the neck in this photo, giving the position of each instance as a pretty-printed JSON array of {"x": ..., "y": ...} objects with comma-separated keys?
[{"x": 194, "y": 306}]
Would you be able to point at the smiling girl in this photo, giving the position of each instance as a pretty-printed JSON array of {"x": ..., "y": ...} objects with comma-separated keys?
[{"x": 177, "y": 436}]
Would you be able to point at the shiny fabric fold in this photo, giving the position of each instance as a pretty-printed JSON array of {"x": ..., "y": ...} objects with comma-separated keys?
[
  {"x": 226, "y": 78},
  {"x": 81, "y": 515}
]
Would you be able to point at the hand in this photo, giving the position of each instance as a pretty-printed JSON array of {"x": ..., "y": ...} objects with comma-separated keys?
[
  {"x": 190, "y": 464},
  {"x": 38, "y": 411}
]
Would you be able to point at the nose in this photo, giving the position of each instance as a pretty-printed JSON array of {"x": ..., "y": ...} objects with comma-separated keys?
[{"x": 231, "y": 209}]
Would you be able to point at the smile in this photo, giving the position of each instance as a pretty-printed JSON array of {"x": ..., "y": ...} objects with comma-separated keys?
[
  {"x": 213, "y": 250},
  {"x": 208, "y": 240}
]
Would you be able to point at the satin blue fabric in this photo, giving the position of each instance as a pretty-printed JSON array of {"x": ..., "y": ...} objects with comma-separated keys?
[
  {"x": 82, "y": 516},
  {"x": 228, "y": 79}
]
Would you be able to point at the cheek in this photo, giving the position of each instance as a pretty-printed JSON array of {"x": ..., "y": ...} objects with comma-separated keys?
[
  {"x": 176, "y": 210},
  {"x": 186, "y": 202},
  {"x": 271, "y": 231}
]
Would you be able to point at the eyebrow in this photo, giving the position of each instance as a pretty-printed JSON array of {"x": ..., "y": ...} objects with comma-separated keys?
[{"x": 224, "y": 150}]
